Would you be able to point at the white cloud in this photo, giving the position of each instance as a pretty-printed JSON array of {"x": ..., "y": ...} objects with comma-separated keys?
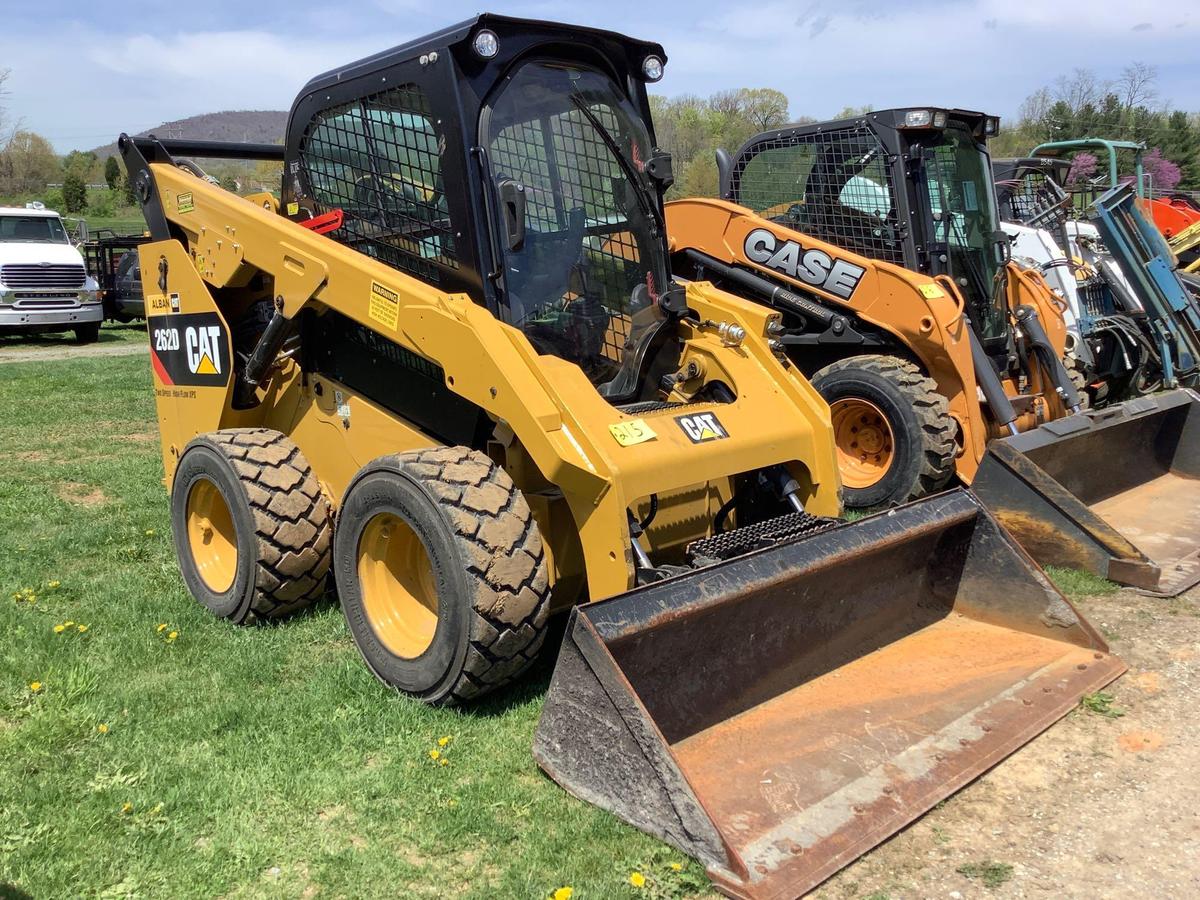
[
  {"x": 987, "y": 54},
  {"x": 134, "y": 82},
  {"x": 825, "y": 54}
]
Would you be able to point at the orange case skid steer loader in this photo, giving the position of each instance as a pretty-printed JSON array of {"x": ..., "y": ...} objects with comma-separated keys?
[
  {"x": 876, "y": 239},
  {"x": 452, "y": 367}
]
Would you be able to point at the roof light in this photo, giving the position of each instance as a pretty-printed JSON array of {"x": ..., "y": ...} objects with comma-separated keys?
[
  {"x": 991, "y": 126},
  {"x": 652, "y": 68},
  {"x": 918, "y": 118},
  {"x": 939, "y": 119},
  {"x": 486, "y": 43}
]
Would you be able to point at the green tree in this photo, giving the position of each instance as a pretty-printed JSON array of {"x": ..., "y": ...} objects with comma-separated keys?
[
  {"x": 102, "y": 203},
  {"x": 27, "y": 164},
  {"x": 74, "y": 192},
  {"x": 84, "y": 164},
  {"x": 112, "y": 173},
  {"x": 127, "y": 188}
]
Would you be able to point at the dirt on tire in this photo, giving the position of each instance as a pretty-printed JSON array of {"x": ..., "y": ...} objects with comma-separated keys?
[
  {"x": 498, "y": 536},
  {"x": 291, "y": 515}
]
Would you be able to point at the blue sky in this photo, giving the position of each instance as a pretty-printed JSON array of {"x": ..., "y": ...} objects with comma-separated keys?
[{"x": 84, "y": 71}]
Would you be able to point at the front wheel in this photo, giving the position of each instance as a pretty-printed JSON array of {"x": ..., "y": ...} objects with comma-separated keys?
[
  {"x": 441, "y": 574},
  {"x": 87, "y": 333},
  {"x": 894, "y": 433},
  {"x": 252, "y": 528}
]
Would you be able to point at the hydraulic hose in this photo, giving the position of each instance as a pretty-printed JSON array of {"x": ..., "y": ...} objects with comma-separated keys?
[
  {"x": 989, "y": 383},
  {"x": 771, "y": 293},
  {"x": 1027, "y": 318}
]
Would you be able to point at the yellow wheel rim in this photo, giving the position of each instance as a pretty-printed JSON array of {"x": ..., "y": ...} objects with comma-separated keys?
[
  {"x": 865, "y": 444},
  {"x": 399, "y": 592},
  {"x": 211, "y": 536}
]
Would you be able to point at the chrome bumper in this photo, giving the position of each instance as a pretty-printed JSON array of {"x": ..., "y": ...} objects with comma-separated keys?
[{"x": 12, "y": 317}]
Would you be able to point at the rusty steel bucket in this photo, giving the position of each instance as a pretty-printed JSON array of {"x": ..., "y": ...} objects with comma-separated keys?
[
  {"x": 1114, "y": 491},
  {"x": 777, "y": 715}
]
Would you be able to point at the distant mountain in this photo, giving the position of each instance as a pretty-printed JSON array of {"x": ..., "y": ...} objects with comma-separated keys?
[{"x": 258, "y": 126}]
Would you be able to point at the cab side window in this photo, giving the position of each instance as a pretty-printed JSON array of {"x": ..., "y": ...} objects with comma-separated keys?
[{"x": 379, "y": 160}]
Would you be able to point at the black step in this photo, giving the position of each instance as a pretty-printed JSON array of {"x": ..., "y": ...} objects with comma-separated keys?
[{"x": 730, "y": 544}]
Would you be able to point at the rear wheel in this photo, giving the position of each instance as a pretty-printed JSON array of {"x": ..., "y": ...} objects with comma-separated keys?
[
  {"x": 87, "y": 333},
  {"x": 252, "y": 529},
  {"x": 441, "y": 573},
  {"x": 893, "y": 430}
]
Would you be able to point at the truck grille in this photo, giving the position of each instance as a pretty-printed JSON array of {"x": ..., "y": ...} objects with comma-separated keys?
[{"x": 38, "y": 277}]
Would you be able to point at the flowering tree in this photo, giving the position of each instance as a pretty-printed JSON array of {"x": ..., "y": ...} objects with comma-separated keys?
[
  {"x": 1083, "y": 167},
  {"x": 1164, "y": 174}
]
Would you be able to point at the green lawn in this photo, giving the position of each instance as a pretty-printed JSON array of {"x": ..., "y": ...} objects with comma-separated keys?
[
  {"x": 125, "y": 220},
  {"x": 110, "y": 333},
  {"x": 234, "y": 762}
]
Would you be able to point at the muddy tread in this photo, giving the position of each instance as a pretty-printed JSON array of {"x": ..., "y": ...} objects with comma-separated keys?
[
  {"x": 292, "y": 520},
  {"x": 501, "y": 547},
  {"x": 938, "y": 428}
]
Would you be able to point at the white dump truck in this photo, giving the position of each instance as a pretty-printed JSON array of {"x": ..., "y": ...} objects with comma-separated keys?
[{"x": 44, "y": 285}]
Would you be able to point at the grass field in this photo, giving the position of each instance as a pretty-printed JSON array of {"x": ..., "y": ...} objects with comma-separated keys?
[
  {"x": 149, "y": 750},
  {"x": 110, "y": 333},
  {"x": 128, "y": 221}
]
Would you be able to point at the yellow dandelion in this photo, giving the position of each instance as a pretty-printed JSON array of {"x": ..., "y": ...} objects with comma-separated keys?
[
  {"x": 637, "y": 879},
  {"x": 81, "y": 628},
  {"x": 162, "y": 626},
  {"x": 149, "y": 531},
  {"x": 676, "y": 867},
  {"x": 102, "y": 728},
  {"x": 68, "y": 623},
  {"x": 435, "y": 754},
  {"x": 53, "y": 584},
  {"x": 156, "y": 809},
  {"x": 443, "y": 741},
  {"x": 59, "y": 629},
  {"x": 126, "y": 808},
  {"x": 443, "y": 761},
  {"x": 566, "y": 892},
  {"x": 173, "y": 635},
  {"x": 35, "y": 686}
]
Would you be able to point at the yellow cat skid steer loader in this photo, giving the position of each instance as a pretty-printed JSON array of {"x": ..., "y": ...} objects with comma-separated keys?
[
  {"x": 452, "y": 367},
  {"x": 877, "y": 240}
]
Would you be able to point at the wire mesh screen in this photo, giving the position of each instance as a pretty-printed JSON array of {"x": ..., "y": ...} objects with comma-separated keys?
[
  {"x": 1035, "y": 199},
  {"x": 834, "y": 185},
  {"x": 577, "y": 205},
  {"x": 378, "y": 159}
]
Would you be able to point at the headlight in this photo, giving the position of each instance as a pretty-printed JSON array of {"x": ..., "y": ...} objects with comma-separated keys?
[
  {"x": 918, "y": 118},
  {"x": 652, "y": 68},
  {"x": 486, "y": 43},
  {"x": 91, "y": 284}
]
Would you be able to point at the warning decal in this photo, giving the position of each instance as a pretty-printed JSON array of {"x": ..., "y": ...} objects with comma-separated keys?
[
  {"x": 190, "y": 349},
  {"x": 385, "y": 305}
]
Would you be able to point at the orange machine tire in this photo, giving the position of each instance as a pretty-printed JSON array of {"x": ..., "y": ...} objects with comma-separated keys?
[{"x": 894, "y": 433}]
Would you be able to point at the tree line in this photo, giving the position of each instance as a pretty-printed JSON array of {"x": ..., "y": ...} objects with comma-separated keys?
[
  {"x": 1128, "y": 108},
  {"x": 692, "y": 128}
]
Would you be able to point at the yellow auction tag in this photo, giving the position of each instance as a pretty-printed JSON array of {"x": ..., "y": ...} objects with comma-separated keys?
[
  {"x": 931, "y": 291},
  {"x": 635, "y": 431}
]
